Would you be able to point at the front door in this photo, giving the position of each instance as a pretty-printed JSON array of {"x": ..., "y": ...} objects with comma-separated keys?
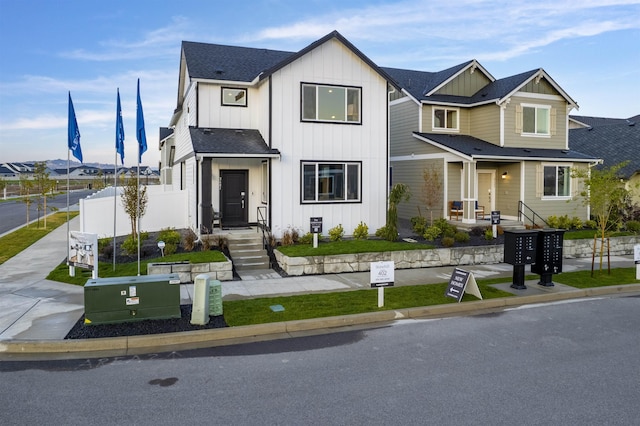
[
  {"x": 234, "y": 197},
  {"x": 486, "y": 196}
]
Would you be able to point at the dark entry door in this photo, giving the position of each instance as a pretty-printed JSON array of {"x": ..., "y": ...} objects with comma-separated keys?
[{"x": 235, "y": 197}]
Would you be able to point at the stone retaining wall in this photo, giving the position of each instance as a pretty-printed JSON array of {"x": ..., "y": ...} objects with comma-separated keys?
[
  {"x": 455, "y": 256},
  {"x": 222, "y": 271}
]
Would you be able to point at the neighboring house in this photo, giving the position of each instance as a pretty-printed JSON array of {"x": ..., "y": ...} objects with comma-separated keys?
[
  {"x": 583, "y": 121},
  {"x": 279, "y": 136},
  {"x": 615, "y": 141},
  {"x": 500, "y": 143}
]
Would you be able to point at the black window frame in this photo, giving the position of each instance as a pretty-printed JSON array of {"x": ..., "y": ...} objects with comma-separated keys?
[{"x": 319, "y": 120}]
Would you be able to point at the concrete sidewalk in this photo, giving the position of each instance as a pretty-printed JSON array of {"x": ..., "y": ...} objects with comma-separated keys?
[{"x": 34, "y": 309}]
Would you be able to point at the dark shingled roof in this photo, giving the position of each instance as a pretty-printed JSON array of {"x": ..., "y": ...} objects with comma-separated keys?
[
  {"x": 229, "y": 63},
  {"x": 614, "y": 143},
  {"x": 419, "y": 83},
  {"x": 242, "y": 142},
  {"x": 477, "y": 148},
  {"x": 603, "y": 121},
  {"x": 165, "y": 132}
]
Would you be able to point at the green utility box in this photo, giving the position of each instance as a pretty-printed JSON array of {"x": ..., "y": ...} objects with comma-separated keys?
[
  {"x": 126, "y": 299},
  {"x": 215, "y": 298}
]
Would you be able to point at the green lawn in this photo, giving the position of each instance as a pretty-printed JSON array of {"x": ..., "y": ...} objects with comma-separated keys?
[
  {"x": 13, "y": 243},
  {"x": 583, "y": 279},
  {"x": 130, "y": 269},
  {"x": 349, "y": 247}
]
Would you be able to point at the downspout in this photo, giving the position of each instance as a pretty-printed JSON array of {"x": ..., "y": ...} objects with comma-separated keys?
[
  {"x": 198, "y": 224},
  {"x": 270, "y": 135},
  {"x": 387, "y": 180}
]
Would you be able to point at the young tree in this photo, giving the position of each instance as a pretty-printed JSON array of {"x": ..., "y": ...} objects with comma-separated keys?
[
  {"x": 43, "y": 185},
  {"x": 432, "y": 189},
  {"x": 606, "y": 195},
  {"x": 99, "y": 181},
  {"x": 132, "y": 207},
  {"x": 399, "y": 192},
  {"x": 26, "y": 186}
]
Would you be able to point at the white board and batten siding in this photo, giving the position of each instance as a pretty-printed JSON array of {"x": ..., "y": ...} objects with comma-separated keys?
[{"x": 330, "y": 63}]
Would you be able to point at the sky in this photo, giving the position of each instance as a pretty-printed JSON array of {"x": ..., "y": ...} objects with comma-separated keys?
[{"x": 92, "y": 48}]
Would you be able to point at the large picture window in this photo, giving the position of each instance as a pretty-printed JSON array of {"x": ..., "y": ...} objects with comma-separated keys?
[
  {"x": 330, "y": 182},
  {"x": 557, "y": 181},
  {"x": 331, "y": 103},
  {"x": 445, "y": 118}
]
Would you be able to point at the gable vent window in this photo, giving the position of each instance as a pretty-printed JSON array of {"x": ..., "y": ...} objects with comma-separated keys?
[
  {"x": 335, "y": 104},
  {"x": 234, "y": 97}
]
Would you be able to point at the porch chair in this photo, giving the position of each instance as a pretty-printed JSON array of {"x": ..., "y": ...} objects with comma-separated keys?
[{"x": 456, "y": 209}]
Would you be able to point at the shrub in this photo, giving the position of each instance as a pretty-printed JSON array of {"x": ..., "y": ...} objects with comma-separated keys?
[
  {"x": 287, "y": 238},
  {"x": 565, "y": 222},
  {"x": 418, "y": 224},
  {"x": 576, "y": 223},
  {"x": 306, "y": 238},
  {"x": 190, "y": 239},
  {"x": 432, "y": 233},
  {"x": 169, "y": 236},
  {"x": 488, "y": 234},
  {"x": 219, "y": 241},
  {"x": 446, "y": 229},
  {"x": 336, "y": 233},
  {"x": 447, "y": 242},
  {"x": 105, "y": 247},
  {"x": 553, "y": 221},
  {"x": 130, "y": 245},
  {"x": 633, "y": 226},
  {"x": 462, "y": 237},
  {"x": 478, "y": 231},
  {"x": 590, "y": 224},
  {"x": 361, "y": 232},
  {"x": 382, "y": 232},
  {"x": 206, "y": 244},
  {"x": 170, "y": 248}
]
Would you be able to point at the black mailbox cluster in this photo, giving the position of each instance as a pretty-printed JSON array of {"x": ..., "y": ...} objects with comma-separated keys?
[
  {"x": 541, "y": 248},
  {"x": 549, "y": 255}
]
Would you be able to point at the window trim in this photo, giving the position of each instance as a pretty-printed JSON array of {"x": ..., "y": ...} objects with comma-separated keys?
[
  {"x": 435, "y": 108},
  {"x": 536, "y": 107},
  {"x": 318, "y": 120},
  {"x": 317, "y": 199},
  {"x": 557, "y": 197},
  {"x": 243, "y": 89}
]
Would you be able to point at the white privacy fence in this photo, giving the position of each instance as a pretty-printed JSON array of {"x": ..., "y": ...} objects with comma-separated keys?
[{"x": 165, "y": 209}]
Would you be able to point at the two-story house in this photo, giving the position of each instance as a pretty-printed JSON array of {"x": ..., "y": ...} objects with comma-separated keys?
[
  {"x": 261, "y": 134},
  {"x": 500, "y": 144}
]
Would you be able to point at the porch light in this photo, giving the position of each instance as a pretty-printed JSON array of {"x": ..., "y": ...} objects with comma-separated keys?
[{"x": 504, "y": 175}]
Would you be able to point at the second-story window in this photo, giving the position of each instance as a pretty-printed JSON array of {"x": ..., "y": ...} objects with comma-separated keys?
[
  {"x": 331, "y": 103},
  {"x": 535, "y": 120},
  {"x": 234, "y": 97},
  {"x": 445, "y": 118}
]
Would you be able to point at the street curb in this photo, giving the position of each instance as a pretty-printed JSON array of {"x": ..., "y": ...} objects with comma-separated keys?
[{"x": 137, "y": 345}]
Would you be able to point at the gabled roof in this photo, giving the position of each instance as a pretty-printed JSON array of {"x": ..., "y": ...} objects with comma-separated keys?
[
  {"x": 422, "y": 85},
  {"x": 245, "y": 64},
  {"x": 477, "y": 149},
  {"x": 614, "y": 143},
  {"x": 229, "y": 63},
  {"x": 230, "y": 143},
  {"x": 165, "y": 132},
  {"x": 587, "y": 121}
]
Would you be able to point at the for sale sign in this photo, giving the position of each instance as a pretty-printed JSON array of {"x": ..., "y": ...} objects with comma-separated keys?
[{"x": 382, "y": 274}]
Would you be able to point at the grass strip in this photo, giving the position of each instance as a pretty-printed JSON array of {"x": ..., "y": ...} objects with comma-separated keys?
[
  {"x": 13, "y": 243},
  {"x": 583, "y": 279},
  {"x": 130, "y": 269}
]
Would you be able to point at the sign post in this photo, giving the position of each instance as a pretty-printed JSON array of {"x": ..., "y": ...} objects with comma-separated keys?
[
  {"x": 460, "y": 282},
  {"x": 382, "y": 274},
  {"x": 636, "y": 258},
  {"x": 315, "y": 224},
  {"x": 495, "y": 221}
]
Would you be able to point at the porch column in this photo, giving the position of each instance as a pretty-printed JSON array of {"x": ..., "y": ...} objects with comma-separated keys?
[
  {"x": 206, "y": 211},
  {"x": 469, "y": 195}
]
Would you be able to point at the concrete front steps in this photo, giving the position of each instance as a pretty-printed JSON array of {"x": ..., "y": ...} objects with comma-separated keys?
[{"x": 247, "y": 251}]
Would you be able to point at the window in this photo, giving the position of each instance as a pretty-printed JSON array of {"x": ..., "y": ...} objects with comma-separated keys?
[
  {"x": 330, "y": 182},
  {"x": 557, "y": 181},
  {"x": 535, "y": 120},
  {"x": 330, "y": 103},
  {"x": 445, "y": 118},
  {"x": 234, "y": 97}
]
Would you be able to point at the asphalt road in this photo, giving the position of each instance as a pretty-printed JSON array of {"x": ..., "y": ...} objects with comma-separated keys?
[
  {"x": 13, "y": 213},
  {"x": 568, "y": 363}
]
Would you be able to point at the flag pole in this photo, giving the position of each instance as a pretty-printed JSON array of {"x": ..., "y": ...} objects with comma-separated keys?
[
  {"x": 120, "y": 150},
  {"x": 142, "y": 147},
  {"x": 115, "y": 201},
  {"x": 73, "y": 145}
]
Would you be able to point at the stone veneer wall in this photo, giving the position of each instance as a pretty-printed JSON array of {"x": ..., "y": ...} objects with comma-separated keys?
[
  {"x": 455, "y": 256},
  {"x": 222, "y": 271}
]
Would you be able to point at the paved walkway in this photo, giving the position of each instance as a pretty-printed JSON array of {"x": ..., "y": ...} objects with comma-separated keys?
[{"x": 34, "y": 308}]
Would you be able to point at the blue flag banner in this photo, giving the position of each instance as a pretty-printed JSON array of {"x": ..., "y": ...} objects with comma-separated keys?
[
  {"x": 119, "y": 130},
  {"x": 74, "y": 132},
  {"x": 140, "y": 133}
]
